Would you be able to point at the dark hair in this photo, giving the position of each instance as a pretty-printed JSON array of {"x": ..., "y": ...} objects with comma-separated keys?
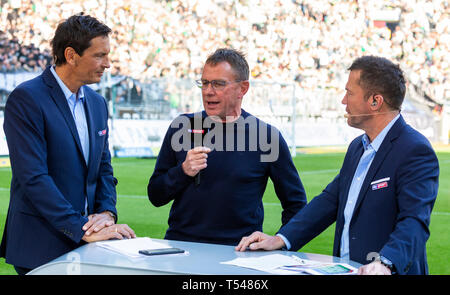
[
  {"x": 381, "y": 76},
  {"x": 234, "y": 57},
  {"x": 77, "y": 32}
]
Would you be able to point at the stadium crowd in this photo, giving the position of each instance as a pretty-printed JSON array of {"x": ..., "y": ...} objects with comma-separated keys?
[{"x": 311, "y": 42}]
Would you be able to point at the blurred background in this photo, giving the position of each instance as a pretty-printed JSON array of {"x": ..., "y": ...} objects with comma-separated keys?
[{"x": 298, "y": 52}]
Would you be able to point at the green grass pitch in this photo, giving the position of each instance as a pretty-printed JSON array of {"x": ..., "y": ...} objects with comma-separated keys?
[{"x": 316, "y": 171}]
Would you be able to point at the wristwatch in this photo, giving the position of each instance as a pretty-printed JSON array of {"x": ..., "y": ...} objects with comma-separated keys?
[{"x": 386, "y": 262}]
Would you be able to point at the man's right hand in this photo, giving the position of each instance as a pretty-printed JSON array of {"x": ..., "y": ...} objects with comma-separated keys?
[
  {"x": 260, "y": 241},
  {"x": 195, "y": 160},
  {"x": 116, "y": 231}
]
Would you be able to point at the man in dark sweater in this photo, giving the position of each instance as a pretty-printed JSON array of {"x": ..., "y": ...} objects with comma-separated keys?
[{"x": 215, "y": 164}]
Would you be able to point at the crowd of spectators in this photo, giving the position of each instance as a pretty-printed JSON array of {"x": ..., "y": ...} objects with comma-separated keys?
[
  {"x": 16, "y": 57},
  {"x": 310, "y": 42}
]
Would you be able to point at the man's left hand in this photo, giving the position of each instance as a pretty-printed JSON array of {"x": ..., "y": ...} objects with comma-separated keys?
[
  {"x": 374, "y": 268},
  {"x": 97, "y": 222}
]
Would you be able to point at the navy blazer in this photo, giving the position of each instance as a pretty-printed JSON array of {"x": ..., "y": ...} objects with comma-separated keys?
[
  {"x": 50, "y": 178},
  {"x": 391, "y": 219}
]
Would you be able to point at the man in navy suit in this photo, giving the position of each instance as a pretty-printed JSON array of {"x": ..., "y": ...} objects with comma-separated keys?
[
  {"x": 383, "y": 195},
  {"x": 62, "y": 189}
]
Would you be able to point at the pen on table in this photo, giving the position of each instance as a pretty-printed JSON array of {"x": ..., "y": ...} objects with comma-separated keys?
[{"x": 296, "y": 258}]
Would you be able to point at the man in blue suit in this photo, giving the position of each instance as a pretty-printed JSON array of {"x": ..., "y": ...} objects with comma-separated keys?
[
  {"x": 383, "y": 195},
  {"x": 62, "y": 188}
]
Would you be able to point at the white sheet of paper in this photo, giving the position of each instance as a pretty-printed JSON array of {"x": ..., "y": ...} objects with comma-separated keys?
[
  {"x": 131, "y": 247},
  {"x": 267, "y": 263},
  {"x": 279, "y": 264}
]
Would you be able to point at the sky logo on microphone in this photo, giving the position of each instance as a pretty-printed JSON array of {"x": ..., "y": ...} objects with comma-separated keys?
[
  {"x": 201, "y": 131},
  {"x": 249, "y": 134}
]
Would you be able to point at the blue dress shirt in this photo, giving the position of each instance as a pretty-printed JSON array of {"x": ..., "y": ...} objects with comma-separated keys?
[
  {"x": 370, "y": 149},
  {"x": 75, "y": 102}
]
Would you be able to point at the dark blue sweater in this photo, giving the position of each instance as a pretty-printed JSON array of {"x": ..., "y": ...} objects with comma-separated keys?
[{"x": 227, "y": 204}]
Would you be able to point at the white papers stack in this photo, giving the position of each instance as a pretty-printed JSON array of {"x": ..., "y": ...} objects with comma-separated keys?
[
  {"x": 131, "y": 247},
  {"x": 268, "y": 263},
  {"x": 282, "y": 264}
]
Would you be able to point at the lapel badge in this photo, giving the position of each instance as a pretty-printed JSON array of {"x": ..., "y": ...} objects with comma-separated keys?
[{"x": 380, "y": 183}]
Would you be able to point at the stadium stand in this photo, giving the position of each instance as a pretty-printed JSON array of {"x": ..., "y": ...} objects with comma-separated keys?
[{"x": 298, "y": 52}]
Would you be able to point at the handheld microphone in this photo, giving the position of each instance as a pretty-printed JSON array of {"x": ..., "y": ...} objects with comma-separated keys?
[{"x": 197, "y": 136}]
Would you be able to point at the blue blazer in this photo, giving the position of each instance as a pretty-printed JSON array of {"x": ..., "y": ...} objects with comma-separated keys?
[
  {"x": 390, "y": 219},
  {"x": 50, "y": 178}
]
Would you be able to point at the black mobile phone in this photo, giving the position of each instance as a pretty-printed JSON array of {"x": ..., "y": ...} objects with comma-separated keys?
[{"x": 151, "y": 252}]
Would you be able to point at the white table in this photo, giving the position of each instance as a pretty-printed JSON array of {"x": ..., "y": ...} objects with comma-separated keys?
[{"x": 202, "y": 259}]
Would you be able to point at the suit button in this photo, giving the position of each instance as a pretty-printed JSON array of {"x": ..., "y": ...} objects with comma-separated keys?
[{"x": 83, "y": 213}]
